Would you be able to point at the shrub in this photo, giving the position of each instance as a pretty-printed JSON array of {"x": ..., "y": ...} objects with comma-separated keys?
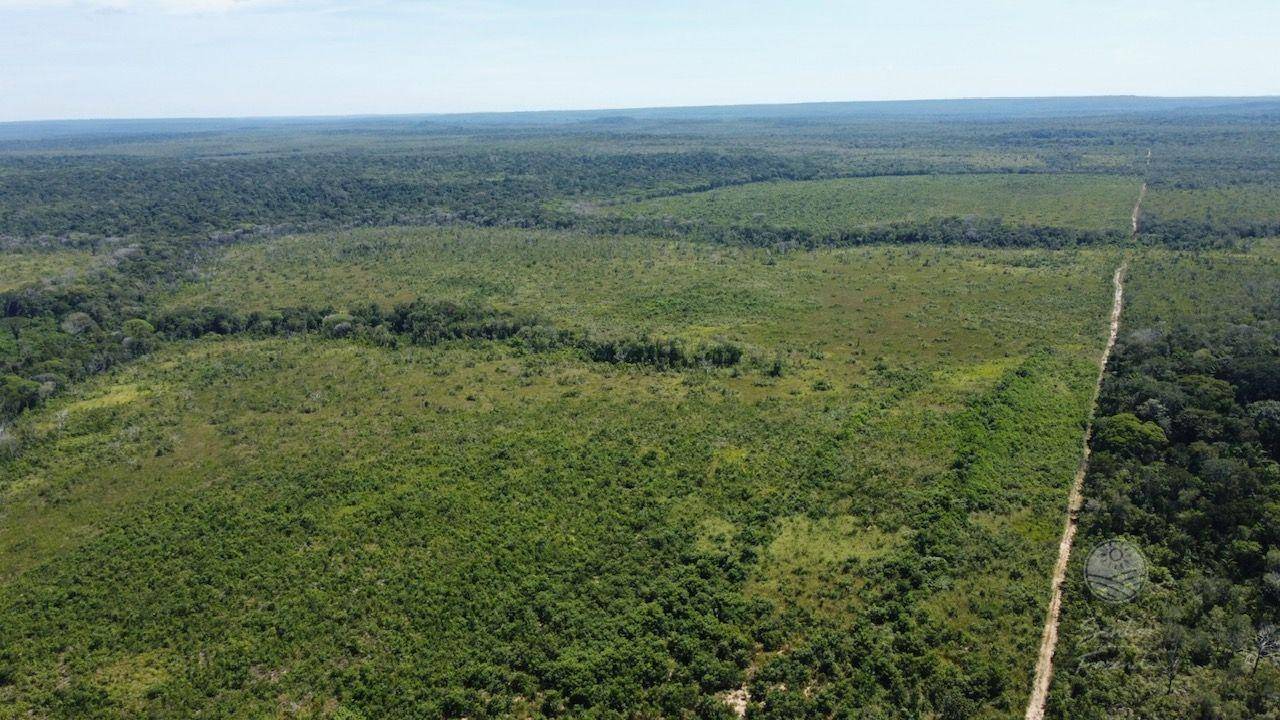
[
  {"x": 139, "y": 336},
  {"x": 78, "y": 322},
  {"x": 1126, "y": 435},
  {"x": 337, "y": 325}
]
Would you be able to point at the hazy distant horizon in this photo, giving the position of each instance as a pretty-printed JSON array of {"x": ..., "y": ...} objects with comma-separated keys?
[
  {"x": 1204, "y": 101},
  {"x": 97, "y": 59}
]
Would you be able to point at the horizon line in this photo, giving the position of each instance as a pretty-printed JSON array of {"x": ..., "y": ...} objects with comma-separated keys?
[{"x": 638, "y": 108}]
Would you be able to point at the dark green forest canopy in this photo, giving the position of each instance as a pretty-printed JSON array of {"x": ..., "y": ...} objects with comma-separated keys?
[
  {"x": 198, "y": 177},
  {"x": 1185, "y": 465}
]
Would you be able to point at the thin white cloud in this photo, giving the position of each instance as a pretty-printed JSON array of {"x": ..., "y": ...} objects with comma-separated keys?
[
  {"x": 180, "y": 7},
  {"x": 451, "y": 9}
]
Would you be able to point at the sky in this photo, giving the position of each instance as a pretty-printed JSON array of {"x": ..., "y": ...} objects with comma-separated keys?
[{"x": 233, "y": 58}]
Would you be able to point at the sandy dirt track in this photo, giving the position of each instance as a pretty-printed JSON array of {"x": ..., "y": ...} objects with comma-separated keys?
[{"x": 1049, "y": 638}]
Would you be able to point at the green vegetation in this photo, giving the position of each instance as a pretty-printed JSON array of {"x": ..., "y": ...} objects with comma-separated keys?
[
  {"x": 1217, "y": 214},
  {"x": 632, "y": 417},
  {"x": 1230, "y": 203},
  {"x": 827, "y": 207},
  {"x": 540, "y": 533},
  {"x": 868, "y": 296},
  {"x": 24, "y": 268},
  {"x": 1185, "y": 464}
]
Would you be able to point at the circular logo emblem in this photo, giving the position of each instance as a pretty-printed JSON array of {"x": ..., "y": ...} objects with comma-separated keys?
[{"x": 1116, "y": 571}]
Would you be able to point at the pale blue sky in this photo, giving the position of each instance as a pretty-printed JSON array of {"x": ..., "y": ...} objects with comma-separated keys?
[{"x": 164, "y": 58}]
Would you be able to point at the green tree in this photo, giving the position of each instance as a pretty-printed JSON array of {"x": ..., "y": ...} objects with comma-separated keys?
[
  {"x": 1124, "y": 434},
  {"x": 139, "y": 336},
  {"x": 17, "y": 394}
]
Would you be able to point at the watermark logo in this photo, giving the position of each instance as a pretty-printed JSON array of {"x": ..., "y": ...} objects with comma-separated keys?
[{"x": 1116, "y": 571}]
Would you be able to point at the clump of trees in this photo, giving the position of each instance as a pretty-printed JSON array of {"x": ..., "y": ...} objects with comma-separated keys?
[
  {"x": 429, "y": 322},
  {"x": 17, "y": 394},
  {"x": 46, "y": 350},
  {"x": 662, "y": 352},
  {"x": 967, "y": 230},
  {"x": 1191, "y": 234},
  {"x": 58, "y": 332}
]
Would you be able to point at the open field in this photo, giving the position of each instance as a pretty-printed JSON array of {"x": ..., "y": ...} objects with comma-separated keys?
[
  {"x": 1088, "y": 202},
  {"x": 1229, "y": 203},
  {"x": 474, "y": 526},
  {"x": 22, "y": 268},
  {"x": 920, "y": 301},
  {"x": 1219, "y": 288}
]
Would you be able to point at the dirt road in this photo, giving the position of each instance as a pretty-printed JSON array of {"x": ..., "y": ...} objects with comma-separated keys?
[
  {"x": 1136, "y": 217},
  {"x": 1049, "y": 639},
  {"x": 1137, "y": 211}
]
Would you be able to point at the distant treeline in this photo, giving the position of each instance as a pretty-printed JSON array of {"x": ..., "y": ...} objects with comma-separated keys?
[
  {"x": 971, "y": 230},
  {"x": 181, "y": 197},
  {"x": 178, "y": 196},
  {"x": 154, "y": 183}
]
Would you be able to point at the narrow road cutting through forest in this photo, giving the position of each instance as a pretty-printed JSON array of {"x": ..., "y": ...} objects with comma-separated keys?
[
  {"x": 1136, "y": 217},
  {"x": 1049, "y": 638},
  {"x": 1137, "y": 211}
]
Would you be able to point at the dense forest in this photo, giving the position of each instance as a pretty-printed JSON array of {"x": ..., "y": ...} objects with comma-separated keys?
[
  {"x": 1187, "y": 464},
  {"x": 175, "y": 181}
]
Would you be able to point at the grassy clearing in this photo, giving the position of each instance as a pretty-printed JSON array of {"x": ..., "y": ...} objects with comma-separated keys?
[
  {"x": 1228, "y": 203},
  {"x": 1220, "y": 287},
  {"x": 912, "y": 305},
  {"x": 1087, "y": 202},
  {"x": 317, "y": 526},
  {"x": 23, "y": 268}
]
